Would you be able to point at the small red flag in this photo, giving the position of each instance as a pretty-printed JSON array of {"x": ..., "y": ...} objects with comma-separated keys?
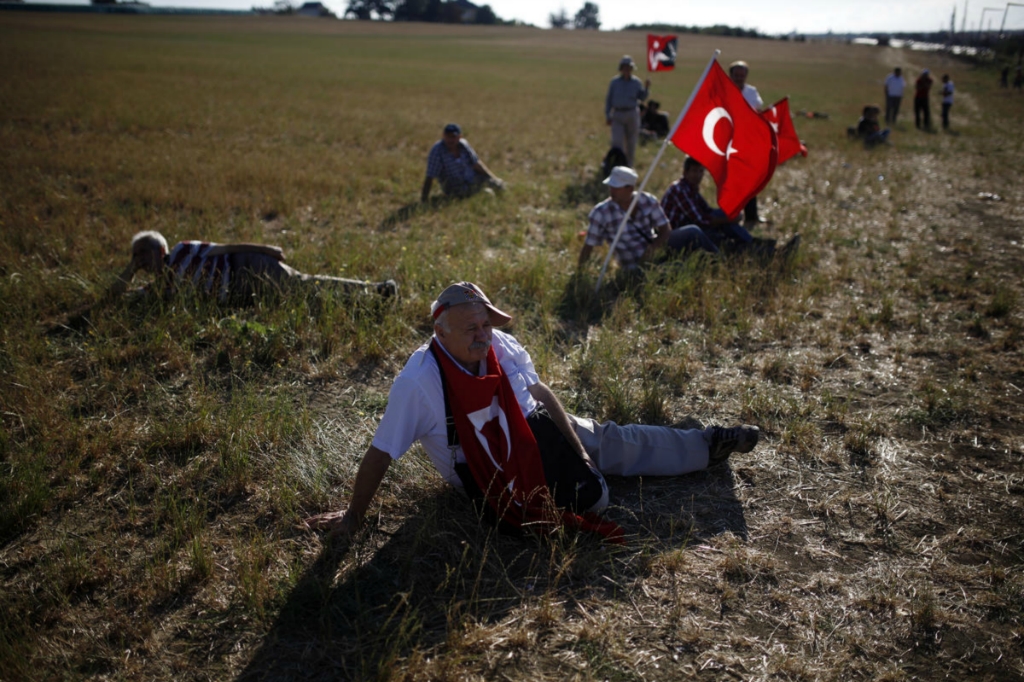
[
  {"x": 730, "y": 139},
  {"x": 779, "y": 119},
  {"x": 661, "y": 52}
]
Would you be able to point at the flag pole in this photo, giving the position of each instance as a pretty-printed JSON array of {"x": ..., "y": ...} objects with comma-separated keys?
[{"x": 654, "y": 164}]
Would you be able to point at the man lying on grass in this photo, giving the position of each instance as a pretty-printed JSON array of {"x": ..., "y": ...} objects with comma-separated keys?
[
  {"x": 473, "y": 400},
  {"x": 236, "y": 271}
]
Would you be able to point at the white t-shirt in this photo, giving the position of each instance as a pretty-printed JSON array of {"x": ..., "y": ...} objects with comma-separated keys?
[
  {"x": 753, "y": 97},
  {"x": 415, "y": 409},
  {"x": 894, "y": 85},
  {"x": 947, "y": 92}
]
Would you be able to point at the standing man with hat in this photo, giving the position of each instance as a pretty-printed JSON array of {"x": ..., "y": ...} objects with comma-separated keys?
[
  {"x": 473, "y": 400},
  {"x": 894, "y": 85},
  {"x": 738, "y": 72},
  {"x": 622, "y": 107},
  {"x": 454, "y": 163},
  {"x": 646, "y": 231},
  {"x": 922, "y": 107}
]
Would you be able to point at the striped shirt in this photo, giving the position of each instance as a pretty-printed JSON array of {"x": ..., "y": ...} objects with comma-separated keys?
[
  {"x": 456, "y": 173},
  {"x": 189, "y": 262},
  {"x": 684, "y": 205},
  {"x": 641, "y": 229}
]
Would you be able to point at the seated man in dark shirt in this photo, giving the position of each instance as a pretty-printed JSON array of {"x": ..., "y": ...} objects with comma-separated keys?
[
  {"x": 684, "y": 205},
  {"x": 653, "y": 121},
  {"x": 868, "y": 127},
  {"x": 230, "y": 271}
]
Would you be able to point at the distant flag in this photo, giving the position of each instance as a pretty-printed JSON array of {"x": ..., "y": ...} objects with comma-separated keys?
[
  {"x": 781, "y": 121},
  {"x": 661, "y": 52},
  {"x": 731, "y": 140}
]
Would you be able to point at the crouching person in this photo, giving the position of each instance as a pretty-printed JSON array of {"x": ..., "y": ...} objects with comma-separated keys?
[
  {"x": 231, "y": 271},
  {"x": 490, "y": 426}
]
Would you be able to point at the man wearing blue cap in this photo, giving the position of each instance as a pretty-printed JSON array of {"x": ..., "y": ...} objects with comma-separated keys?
[{"x": 454, "y": 163}]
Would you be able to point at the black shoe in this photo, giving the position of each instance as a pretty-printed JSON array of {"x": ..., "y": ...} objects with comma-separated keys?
[
  {"x": 724, "y": 442},
  {"x": 388, "y": 288},
  {"x": 790, "y": 249}
]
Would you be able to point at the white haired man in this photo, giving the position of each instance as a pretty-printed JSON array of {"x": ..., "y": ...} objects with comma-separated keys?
[
  {"x": 647, "y": 233},
  {"x": 473, "y": 400},
  {"x": 232, "y": 271}
]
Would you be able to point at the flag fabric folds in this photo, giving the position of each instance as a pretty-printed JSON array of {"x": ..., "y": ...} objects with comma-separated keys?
[
  {"x": 661, "y": 52},
  {"x": 732, "y": 141},
  {"x": 781, "y": 121}
]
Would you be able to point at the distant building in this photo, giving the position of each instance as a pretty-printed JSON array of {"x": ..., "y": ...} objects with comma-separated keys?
[
  {"x": 313, "y": 9},
  {"x": 467, "y": 11}
]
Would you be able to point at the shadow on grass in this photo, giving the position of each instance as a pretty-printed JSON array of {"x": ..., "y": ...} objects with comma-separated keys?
[
  {"x": 587, "y": 192},
  {"x": 363, "y": 607},
  {"x": 409, "y": 211}
]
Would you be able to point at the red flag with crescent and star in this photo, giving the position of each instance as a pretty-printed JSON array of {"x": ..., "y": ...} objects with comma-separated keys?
[
  {"x": 781, "y": 121},
  {"x": 661, "y": 52},
  {"x": 501, "y": 451},
  {"x": 731, "y": 140}
]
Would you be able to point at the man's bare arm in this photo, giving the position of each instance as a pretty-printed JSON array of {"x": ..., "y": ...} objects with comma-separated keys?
[
  {"x": 425, "y": 192},
  {"x": 546, "y": 397},
  {"x": 585, "y": 254},
  {"x": 347, "y": 521}
]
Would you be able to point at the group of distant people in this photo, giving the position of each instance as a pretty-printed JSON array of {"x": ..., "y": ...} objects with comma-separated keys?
[
  {"x": 870, "y": 130},
  {"x": 1018, "y": 78}
]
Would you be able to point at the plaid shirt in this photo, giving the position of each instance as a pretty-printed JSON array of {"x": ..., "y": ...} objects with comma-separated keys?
[
  {"x": 640, "y": 231},
  {"x": 684, "y": 205},
  {"x": 455, "y": 172}
]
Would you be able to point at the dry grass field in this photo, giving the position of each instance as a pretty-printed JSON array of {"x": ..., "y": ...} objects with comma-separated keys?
[{"x": 157, "y": 455}]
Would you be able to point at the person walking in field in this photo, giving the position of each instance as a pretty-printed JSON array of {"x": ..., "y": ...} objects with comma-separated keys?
[
  {"x": 472, "y": 398},
  {"x": 232, "y": 272},
  {"x": 622, "y": 108},
  {"x": 922, "y": 108},
  {"x": 648, "y": 233},
  {"x": 738, "y": 72},
  {"x": 947, "y": 100},
  {"x": 457, "y": 167},
  {"x": 894, "y": 86}
]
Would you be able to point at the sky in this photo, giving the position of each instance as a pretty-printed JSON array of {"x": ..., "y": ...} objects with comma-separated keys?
[{"x": 776, "y": 17}]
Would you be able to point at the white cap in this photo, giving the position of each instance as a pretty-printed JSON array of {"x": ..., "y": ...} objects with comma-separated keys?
[{"x": 622, "y": 176}]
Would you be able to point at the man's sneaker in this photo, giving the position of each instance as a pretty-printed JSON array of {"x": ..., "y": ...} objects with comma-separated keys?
[
  {"x": 388, "y": 288},
  {"x": 790, "y": 249},
  {"x": 724, "y": 442}
]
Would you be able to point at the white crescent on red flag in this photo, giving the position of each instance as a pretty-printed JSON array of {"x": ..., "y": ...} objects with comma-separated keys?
[
  {"x": 781, "y": 121},
  {"x": 732, "y": 141},
  {"x": 661, "y": 52}
]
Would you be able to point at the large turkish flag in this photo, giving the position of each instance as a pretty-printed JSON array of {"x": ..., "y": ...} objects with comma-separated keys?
[{"x": 728, "y": 138}]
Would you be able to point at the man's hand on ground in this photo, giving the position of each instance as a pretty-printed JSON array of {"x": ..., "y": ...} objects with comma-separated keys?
[{"x": 338, "y": 524}]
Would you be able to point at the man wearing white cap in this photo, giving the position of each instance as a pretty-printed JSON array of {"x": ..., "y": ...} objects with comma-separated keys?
[
  {"x": 472, "y": 398},
  {"x": 622, "y": 107},
  {"x": 646, "y": 231},
  {"x": 738, "y": 72}
]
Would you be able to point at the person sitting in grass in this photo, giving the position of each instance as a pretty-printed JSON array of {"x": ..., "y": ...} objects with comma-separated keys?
[
  {"x": 648, "y": 232},
  {"x": 454, "y": 163},
  {"x": 868, "y": 128},
  {"x": 473, "y": 400},
  {"x": 233, "y": 271},
  {"x": 684, "y": 205}
]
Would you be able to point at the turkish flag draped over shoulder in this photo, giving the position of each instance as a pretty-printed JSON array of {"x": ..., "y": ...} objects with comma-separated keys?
[
  {"x": 661, "y": 52},
  {"x": 731, "y": 140},
  {"x": 781, "y": 121}
]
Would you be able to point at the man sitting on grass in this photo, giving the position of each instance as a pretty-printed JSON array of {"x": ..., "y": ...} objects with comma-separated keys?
[
  {"x": 473, "y": 400},
  {"x": 456, "y": 165},
  {"x": 234, "y": 271},
  {"x": 648, "y": 232},
  {"x": 684, "y": 205}
]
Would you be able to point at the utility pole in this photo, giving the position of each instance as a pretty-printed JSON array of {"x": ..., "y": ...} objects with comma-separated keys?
[{"x": 963, "y": 24}]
